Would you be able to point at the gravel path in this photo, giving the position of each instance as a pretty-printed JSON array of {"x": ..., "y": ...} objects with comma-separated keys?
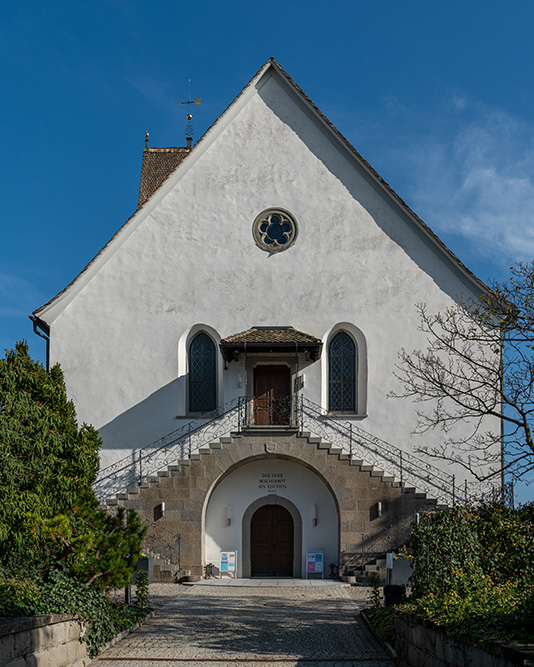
[{"x": 220, "y": 626}]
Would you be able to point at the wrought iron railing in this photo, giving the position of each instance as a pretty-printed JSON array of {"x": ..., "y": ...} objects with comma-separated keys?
[
  {"x": 291, "y": 411},
  {"x": 358, "y": 444},
  {"x": 171, "y": 448},
  {"x": 270, "y": 411}
]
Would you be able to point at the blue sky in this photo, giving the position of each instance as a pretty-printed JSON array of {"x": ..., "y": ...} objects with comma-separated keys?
[{"x": 437, "y": 96}]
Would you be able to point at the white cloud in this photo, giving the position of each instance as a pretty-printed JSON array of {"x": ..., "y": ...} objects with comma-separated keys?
[{"x": 476, "y": 181}]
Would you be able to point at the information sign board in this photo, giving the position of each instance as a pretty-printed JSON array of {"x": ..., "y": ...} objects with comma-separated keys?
[
  {"x": 227, "y": 563},
  {"x": 315, "y": 563}
]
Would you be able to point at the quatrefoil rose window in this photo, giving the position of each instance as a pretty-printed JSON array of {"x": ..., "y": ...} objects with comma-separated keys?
[{"x": 274, "y": 230}]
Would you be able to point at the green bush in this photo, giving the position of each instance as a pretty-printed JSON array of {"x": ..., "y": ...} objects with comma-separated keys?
[
  {"x": 473, "y": 572},
  {"x": 48, "y": 511},
  {"x": 63, "y": 593},
  {"x": 18, "y": 597}
]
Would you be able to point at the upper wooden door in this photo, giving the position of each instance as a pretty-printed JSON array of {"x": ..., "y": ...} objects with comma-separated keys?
[
  {"x": 271, "y": 542},
  {"x": 272, "y": 391}
]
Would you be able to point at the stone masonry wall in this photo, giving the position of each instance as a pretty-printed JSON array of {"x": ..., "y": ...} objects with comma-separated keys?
[
  {"x": 186, "y": 488},
  {"x": 51, "y": 640},
  {"x": 422, "y": 645}
]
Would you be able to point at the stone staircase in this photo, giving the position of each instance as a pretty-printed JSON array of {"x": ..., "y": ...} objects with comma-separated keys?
[
  {"x": 156, "y": 486},
  {"x": 226, "y": 441}
]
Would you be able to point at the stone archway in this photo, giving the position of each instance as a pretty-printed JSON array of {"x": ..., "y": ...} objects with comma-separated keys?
[{"x": 297, "y": 532}]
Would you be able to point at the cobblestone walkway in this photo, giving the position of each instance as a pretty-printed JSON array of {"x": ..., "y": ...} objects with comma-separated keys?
[{"x": 278, "y": 626}]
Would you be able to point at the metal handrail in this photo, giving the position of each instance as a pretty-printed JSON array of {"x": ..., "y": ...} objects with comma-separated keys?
[
  {"x": 359, "y": 444},
  {"x": 175, "y": 446},
  {"x": 301, "y": 413}
]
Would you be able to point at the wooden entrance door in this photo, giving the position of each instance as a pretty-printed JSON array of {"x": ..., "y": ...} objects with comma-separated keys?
[
  {"x": 271, "y": 542},
  {"x": 272, "y": 391}
]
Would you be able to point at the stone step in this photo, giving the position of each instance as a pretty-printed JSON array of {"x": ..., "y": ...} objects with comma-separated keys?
[
  {"x": 174, "y": 468},
  {"x": 204, "y": 450},
  {"x": 336, "y": 451},
  {"x": 131, "y": 490},
  {"x": 163, "y": 473},
  {"x": 122, "y": 496},
  {"x": 153, "y": 480},
  {"x": 215, "y": 445},
  {"x": 377, "y": 473}
]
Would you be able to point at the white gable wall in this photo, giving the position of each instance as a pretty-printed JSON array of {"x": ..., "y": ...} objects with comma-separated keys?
[{"x": 192, "y": 259}]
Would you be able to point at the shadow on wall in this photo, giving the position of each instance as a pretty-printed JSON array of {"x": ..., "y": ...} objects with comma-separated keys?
[
  {"x": 429, "y": 262},
  {"x": 143, "y": 423},
  {"x": 386, "y": 533}
]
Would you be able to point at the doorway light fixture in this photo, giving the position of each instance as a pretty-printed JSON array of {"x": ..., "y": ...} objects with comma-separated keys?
[
  {"x": 314, "y": 515},
  {"x": 228, "y": 515}
]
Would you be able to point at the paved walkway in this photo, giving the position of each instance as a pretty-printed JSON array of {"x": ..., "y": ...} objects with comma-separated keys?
[{"x": 258, "y": 625}]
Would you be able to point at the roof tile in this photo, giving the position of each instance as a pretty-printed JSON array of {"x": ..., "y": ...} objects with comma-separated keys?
[
  {"x": 158, "y": 165},
  {"x": 271, "y": 335}
]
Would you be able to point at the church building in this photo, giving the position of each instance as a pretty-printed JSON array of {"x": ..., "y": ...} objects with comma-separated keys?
[{"x": 235, "y": 344}]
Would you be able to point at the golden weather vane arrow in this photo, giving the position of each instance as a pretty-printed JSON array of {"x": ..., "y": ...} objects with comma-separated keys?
[{"x": 189, "y": 126}]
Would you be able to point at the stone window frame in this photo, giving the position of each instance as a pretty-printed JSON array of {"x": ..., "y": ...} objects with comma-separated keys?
[
  {"x": 198, "y": 409},
  {"x": 259, "y": 235},
  {"x": 348, "y": 398},
  {"x": 361, "y": 370}
]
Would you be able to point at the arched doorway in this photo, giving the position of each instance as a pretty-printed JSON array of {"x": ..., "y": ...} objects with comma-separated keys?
[{"x": 271, "y": 542}]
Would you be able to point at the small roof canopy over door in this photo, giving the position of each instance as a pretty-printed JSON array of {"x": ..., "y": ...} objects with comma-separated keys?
[{"x": 271, "y": 339}]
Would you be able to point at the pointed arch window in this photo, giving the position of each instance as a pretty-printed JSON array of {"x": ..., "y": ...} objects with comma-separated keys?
[
  {"x": 342, "y": 359},
  {"x": 202, "y": 374}
]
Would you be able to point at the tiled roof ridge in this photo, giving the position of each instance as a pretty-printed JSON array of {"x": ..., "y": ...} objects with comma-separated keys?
[
  {"x": 89, "y": 264},
  {"x": 167, "y": 149},
  {"x": 272, "y": 61},
  {"x": 399, "y": 199},
  {"x": 271, "y": 335}
]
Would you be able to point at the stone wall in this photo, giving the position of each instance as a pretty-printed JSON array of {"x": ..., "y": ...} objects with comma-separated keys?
[
  {"x": 186, "y": 489},
  {"x": 50, "y": 640},
  {"x": 422, "y": 645}
]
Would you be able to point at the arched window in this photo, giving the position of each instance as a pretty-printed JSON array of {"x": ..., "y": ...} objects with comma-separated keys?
[
  {"x": 202, "y": 374},
  {"x": 342, "y": 373}
]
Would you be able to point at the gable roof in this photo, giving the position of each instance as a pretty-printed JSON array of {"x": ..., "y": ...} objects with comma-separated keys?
[
  {"x": 158, "y": 164},
  {"x": 262, "y": 339},
  {"x": 157, "y": 167},
  {"x": 270, "y": 335}
]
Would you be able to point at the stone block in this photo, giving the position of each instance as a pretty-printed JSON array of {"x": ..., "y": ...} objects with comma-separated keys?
[
  {"x": 43, "y": 638},
  {"x": 6, "y": 648},
  {"x": 22, "y": 643},
  {"x": 18, "y": 662}
]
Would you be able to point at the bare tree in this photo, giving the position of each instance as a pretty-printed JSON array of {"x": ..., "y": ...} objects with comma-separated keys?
[{"x": 479, "y": 364}]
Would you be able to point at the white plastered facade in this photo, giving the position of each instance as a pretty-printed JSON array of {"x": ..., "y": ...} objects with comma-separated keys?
[{"x": 187, "y": 262}]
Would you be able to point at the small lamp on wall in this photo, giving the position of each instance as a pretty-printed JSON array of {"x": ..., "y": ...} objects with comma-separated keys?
[
  {"x": 314, "y": 515},
  {"x": 228, "y": 515},
  {"x": 162, "y": 508},
  {"x": 379, "y": 508}
]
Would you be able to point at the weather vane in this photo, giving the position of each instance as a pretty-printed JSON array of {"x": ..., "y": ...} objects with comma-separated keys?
[{"x": 189, "y": 126}]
